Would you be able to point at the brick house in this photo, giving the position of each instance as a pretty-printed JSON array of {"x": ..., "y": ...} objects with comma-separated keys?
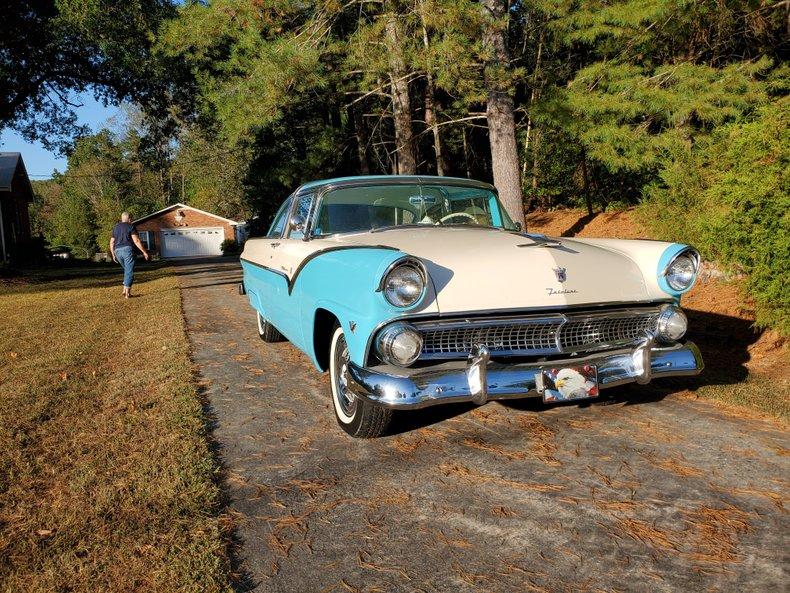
[
  {"x": 15, "y": 195},
  {"x": 183, "y": 231}
]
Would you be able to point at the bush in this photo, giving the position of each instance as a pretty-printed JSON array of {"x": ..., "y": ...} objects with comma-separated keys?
[
  {"x": 229, "y": 247},
  {"x": 730, "y": 197}
]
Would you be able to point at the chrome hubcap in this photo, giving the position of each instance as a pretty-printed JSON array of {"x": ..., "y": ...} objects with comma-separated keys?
[{"x": 345, "y": 398}]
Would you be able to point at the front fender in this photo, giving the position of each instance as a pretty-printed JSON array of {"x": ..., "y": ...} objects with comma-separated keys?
[
  {"x": 651, "y": 257},
  {"x": 344, "y": 282}
]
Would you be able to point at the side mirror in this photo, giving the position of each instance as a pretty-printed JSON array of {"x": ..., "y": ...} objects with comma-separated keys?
[{"x": 297, "y": 223}]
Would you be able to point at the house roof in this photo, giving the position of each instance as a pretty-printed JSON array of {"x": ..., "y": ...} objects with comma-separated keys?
[
  {"x": 11, "y": 165},
  {"x": 179, "y": 206}
]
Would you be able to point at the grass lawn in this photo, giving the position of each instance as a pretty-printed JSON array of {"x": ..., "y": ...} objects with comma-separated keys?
[{"x": 106, "y": 479}]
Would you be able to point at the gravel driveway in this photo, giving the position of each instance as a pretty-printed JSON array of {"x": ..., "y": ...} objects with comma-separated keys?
[{"x": 644, "y": 491}]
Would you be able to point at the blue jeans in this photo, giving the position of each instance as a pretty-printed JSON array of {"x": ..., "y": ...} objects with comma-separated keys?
[{"x": 125, "y": 257}]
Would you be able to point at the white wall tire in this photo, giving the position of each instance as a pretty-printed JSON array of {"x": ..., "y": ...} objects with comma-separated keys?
[
  {"x": 345, "y": 403},
  {"x": 357, "y": 417}
]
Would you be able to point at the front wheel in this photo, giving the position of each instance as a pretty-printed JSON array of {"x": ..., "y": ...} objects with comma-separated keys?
[{"x": 357, "y": 417}]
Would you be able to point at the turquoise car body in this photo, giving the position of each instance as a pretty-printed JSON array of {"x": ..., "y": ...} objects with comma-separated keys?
[{"x": 340, "y": 284}]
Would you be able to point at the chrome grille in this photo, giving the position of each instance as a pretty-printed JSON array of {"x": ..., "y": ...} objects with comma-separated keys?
[
  {"x": 618, "y": 330},
  {"x": 505, "y": 337},
  {"x": 537, "y": 336}
]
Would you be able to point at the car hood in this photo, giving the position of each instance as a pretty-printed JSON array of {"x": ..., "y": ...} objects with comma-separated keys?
[{"x": 490, "y": 269}]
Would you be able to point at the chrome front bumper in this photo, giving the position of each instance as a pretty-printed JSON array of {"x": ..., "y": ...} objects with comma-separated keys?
[{"x": 479, "y": 380}]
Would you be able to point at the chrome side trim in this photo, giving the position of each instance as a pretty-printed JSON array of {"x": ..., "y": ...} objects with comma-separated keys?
[
  {"x": 267, "y": 268},
  {"x": 445, "y": 383}
]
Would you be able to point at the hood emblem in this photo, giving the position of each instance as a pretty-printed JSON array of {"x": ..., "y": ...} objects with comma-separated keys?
[{"x": 560, "y": 273}]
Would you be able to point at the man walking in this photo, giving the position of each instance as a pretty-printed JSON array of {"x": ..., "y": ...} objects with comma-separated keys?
[{"x": 124, "y": 237}]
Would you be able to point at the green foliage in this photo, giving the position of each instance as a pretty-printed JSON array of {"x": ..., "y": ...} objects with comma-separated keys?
[
  {"x": 74, "y": 224},
  {"x": 209, "y": 175},
  {"x": 629, "y": 118},
  {"x": 53, "y": 48},
  {"x": 246, "y": 68},
  {"x": 105, "y": 177},
  {"x": 229, "y": 247},
  {"x": 731, "y": 197}
]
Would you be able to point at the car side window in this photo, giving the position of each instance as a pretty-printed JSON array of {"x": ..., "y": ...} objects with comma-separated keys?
[
  {"x": 278, "y": 225},
  {"x": 301, "y": 211}
]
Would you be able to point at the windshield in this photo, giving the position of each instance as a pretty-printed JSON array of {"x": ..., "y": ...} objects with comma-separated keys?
[{"x": 367, "y": 208}]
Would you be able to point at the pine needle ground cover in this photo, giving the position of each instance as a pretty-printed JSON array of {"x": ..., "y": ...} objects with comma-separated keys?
[{"x": 107, "y": 482}]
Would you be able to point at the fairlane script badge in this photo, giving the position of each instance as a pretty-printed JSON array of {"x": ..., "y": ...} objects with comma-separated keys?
[
  {"x": 553, "y": 291},
  {"x": 561, "y": 275}
]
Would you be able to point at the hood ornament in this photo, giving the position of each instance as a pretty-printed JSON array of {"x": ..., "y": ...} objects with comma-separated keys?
[{"x": 560, "y": 273}]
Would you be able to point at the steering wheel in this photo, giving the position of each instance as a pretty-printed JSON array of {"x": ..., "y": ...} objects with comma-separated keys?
[{"x": 456, "y": 214}]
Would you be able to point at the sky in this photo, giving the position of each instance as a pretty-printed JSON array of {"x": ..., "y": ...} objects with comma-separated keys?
[{"x": 40, "y": 162}]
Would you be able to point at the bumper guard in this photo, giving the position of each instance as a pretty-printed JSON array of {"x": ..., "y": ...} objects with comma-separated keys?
[{"x": 478, "y": 379}]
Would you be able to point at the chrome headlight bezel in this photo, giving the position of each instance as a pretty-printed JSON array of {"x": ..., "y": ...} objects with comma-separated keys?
[
  {"x": 666, "y": 324},
  {"x": 689, "y": 254},
  {"x": 408, "y": 265},
  {"x": 386, "y": 342}
]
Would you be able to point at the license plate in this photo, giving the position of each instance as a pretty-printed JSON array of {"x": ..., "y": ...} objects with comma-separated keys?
[{"x": 563, "y": 384}]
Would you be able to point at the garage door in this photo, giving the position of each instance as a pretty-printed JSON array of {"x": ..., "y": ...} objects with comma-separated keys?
[{"x": 192, "y": 242}]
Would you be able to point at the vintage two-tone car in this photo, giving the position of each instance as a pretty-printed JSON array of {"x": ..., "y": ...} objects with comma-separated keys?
[{"x": 415, "y": 291}]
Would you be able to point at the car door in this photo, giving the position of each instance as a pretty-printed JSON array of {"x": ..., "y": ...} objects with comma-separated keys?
[
  {"x": 264, "y": 281},
  {"x": 287, "y": 255}
]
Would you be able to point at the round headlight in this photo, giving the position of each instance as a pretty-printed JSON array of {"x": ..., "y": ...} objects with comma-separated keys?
[
  {"x": 672, "y": 324},
  {"x": 399, "y": 344},
  {"x": 403, "y": 285},
  {"x": 682, "y": 271}
]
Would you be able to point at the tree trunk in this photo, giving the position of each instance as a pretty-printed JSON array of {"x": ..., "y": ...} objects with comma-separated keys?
[
  {"x": 430, "y": 103},
  {"x": 401, "y": 103},
  {"x": 532, "y": 98},
  {"x": 586, "y": 183},
  {"x": 499, "y": 111},
  {"x": 361, "y": 136},
  {"x": 430, "y": 121},
  {"x": 535, "y": 169},
  {"x": 466, "y": 155}
]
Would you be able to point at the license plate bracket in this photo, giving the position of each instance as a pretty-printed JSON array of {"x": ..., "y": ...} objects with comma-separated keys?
[{"x": 568, "y": 383}]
